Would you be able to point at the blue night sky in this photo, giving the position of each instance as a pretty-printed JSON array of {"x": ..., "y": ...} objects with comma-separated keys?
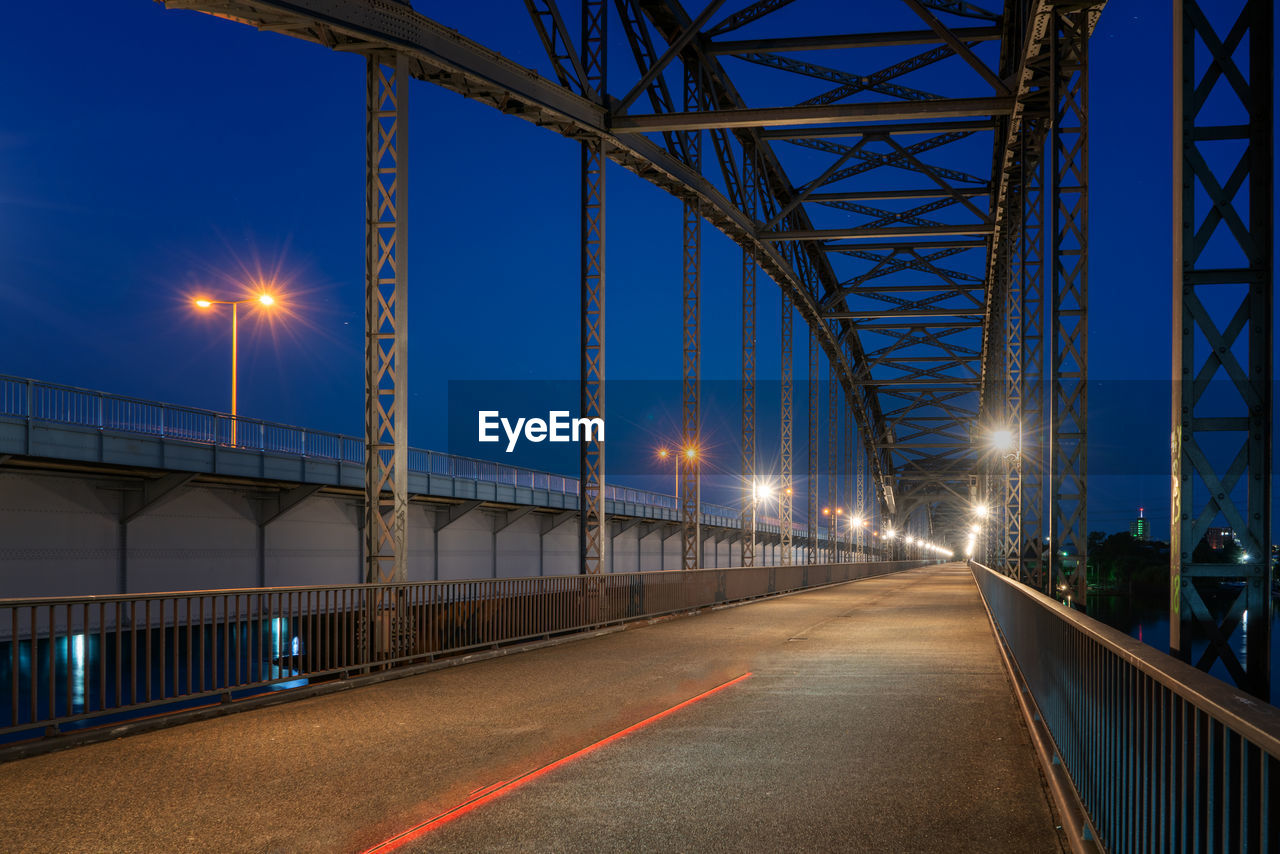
[{"x": 154, "y": 155}]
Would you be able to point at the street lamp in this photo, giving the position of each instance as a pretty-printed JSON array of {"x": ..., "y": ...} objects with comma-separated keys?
[
  {"x": 833, "y": 528},
  {"x": 761, "y": 490},
  {"x": 263, "y": 299}
]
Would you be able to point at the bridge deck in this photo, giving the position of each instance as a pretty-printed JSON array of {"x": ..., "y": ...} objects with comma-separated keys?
[{"x": 877, "y": 717}]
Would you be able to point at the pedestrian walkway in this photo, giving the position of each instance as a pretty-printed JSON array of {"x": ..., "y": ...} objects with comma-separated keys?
[{"x": 876, "y": 716}]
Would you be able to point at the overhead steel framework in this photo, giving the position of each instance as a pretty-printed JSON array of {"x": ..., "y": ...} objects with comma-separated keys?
[
  {"x": 1223, "y": 206},
  {"x": 876, "y": 176}
]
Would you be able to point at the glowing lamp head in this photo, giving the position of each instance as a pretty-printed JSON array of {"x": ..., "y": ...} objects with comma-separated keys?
[
  {"x": 981, "y": 511},
  {"x": 690, "y": 453},
  {"x": 763, "y": 490},
  {"x": 1002, "y": 440},
  {"x": 267, "y": 299},
  {"x": 203, "y": 303},
  {"x": 826, "y": 511},
  {"x": 663, "y": 453}
]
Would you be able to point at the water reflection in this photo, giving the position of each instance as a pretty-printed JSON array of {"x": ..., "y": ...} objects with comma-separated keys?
[{"x": 1147, "y": 619}]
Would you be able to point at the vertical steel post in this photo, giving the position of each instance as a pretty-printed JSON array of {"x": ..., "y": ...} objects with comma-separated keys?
[
  {"x": 1034, "y": 429},
  {"x": 812, "y": 481},
  {"x": 786, "y": 493},
  {"x": 861, "y": 498},
  {"x": 750, "y": 201},
  {"x": 1222, "y": 305},
  {"x": 833, "y": 463},
  {"x": 691, "y": 384},
  {"x": 386, "y": 285},
  {"x": 850, "y": 428},
  {"x": 1010, "y": 562},
  {"x": 1069, "y": 330},
  {"x": 591, "y": 492}
]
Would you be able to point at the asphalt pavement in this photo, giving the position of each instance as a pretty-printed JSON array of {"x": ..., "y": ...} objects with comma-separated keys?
[{"x": 876, "y": 717}]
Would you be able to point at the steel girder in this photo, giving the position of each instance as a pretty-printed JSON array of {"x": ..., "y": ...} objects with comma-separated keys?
[
  {"x": 592, "y": 521},
  {"x": 691, "y": 350},
  {"x": 749, "y": 485},
  {"x": 848, "y": 469},
  {"x": 1068, "y": 158},
  {"x": 833, "y": 463},
  {"x": 785, "y": 492},
  {"x": 1222, "y": 343},
  {"x": 1010, "y": 464},
  {"x": 811, "y": 478},
  {"x": 386, "y": 395}
]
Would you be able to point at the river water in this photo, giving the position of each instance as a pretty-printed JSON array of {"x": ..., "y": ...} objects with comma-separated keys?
[{"x": 1147, "y": 619}]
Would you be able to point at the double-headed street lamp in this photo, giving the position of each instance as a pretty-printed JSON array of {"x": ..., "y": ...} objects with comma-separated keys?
[
  {"x": 264, "y": 299},
  {"x": 761, "y": 490},
  {"x": 691, "y": 454}
]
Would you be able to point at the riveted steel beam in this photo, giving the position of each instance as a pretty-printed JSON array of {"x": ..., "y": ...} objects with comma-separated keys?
[
  {"x": 386, "y": 336},
  {"x": 1222, "y": 296}
]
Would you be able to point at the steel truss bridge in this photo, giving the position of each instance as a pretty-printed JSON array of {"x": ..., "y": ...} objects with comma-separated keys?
[{"x": 919, "y": 195}]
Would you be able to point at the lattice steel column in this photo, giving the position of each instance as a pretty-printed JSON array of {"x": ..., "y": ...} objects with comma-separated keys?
[
  {"x": 750, "y": 199},
  {"x": 833, "y": 462},
  {"x": 1222, "y": 298},
  {"x": 1034, "y": 427},
  {"x": 861, "y": 498},
  {"x": 592, "y": 521},
  {"x": 691, "y": 384},
  {"x": 812, "y": 482},
  {"x": 850, "y": 427},
  {"x": 1069, "y": 204},
  {"x": 386, "y": 468},
  {"x": 1011, "y": 470},
  {"x": 786, "y": 493}
]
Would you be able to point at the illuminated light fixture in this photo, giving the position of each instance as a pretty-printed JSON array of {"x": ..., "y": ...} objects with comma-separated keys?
[
  {"x": 663, "y": 453},
  {"x": 203, "y": 302},
  {"x": 690, "y": 453},
  {"x": 1002, "y": 440},
  {"x": 981, "y": 511}
]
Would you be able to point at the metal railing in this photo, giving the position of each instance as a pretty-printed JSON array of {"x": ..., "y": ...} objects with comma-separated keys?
[
  {"x": 1163, "y": 756},
  {"x": 72, "y": 662},
  {"x": 59, "y": 404}
]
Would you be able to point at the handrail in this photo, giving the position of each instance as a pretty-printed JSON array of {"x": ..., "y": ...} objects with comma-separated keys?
[
  {"x": 1162, "y": 755},
  {"x": 63, "y": 404},
  {"x": 72, "y": 661}
]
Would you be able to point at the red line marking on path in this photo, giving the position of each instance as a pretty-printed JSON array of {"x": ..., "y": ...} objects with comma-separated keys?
[{"x": 419, "y": 830}]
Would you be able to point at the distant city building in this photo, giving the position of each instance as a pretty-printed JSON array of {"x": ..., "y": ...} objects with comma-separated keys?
[
  {"x": 1219, "y": 538},
  {"x": 1139, "y": 529}
]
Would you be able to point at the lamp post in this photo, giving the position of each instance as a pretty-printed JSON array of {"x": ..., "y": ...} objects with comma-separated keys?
[
  {"x": 760, "y": 491},
  {"x": 262, "y": 299},
  {"x": 834, "y": 528}
]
